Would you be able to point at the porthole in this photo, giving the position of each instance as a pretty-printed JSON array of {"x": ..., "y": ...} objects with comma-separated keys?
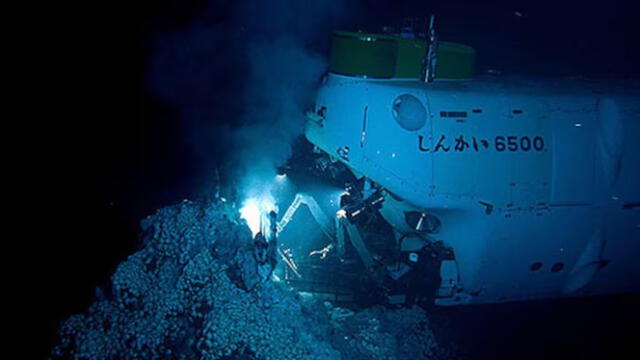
[
  {"x": 536, "y": 266},
  {"x": 409, "y": 112},
  {"x": 557, "y": 267}
]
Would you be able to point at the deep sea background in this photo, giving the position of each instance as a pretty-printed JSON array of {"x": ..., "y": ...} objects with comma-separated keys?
[{"x": 153, "y": 92}]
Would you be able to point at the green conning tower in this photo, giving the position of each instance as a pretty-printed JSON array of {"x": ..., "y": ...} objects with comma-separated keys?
[{"x": 383, "y": 56}]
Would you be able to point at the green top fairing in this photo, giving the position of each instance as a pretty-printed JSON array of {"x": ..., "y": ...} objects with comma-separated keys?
[{"x": 389, "y": 56}]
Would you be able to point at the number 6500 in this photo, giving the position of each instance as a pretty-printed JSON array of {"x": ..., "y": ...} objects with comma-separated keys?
[{"x": 522, "y": 143}]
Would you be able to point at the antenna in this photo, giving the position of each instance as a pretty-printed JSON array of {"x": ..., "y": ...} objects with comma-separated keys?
[
  {"x": 432, "y": 57},
  {"x": 217, "y": 195}
]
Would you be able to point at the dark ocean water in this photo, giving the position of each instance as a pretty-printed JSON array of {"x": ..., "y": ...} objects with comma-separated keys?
[
  {"x": 586, "y": 328},
  {"x": 124, "y": 151}
]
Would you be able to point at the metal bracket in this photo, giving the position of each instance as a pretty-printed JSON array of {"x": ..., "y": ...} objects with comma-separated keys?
[{"x": 317, "y": 116}]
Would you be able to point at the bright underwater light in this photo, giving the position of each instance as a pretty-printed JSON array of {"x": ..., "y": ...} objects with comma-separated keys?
[{"x": 255, "y": 211}]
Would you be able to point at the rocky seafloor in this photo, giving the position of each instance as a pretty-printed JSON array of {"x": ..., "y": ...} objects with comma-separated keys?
[{"x": 197, "y": 289}]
